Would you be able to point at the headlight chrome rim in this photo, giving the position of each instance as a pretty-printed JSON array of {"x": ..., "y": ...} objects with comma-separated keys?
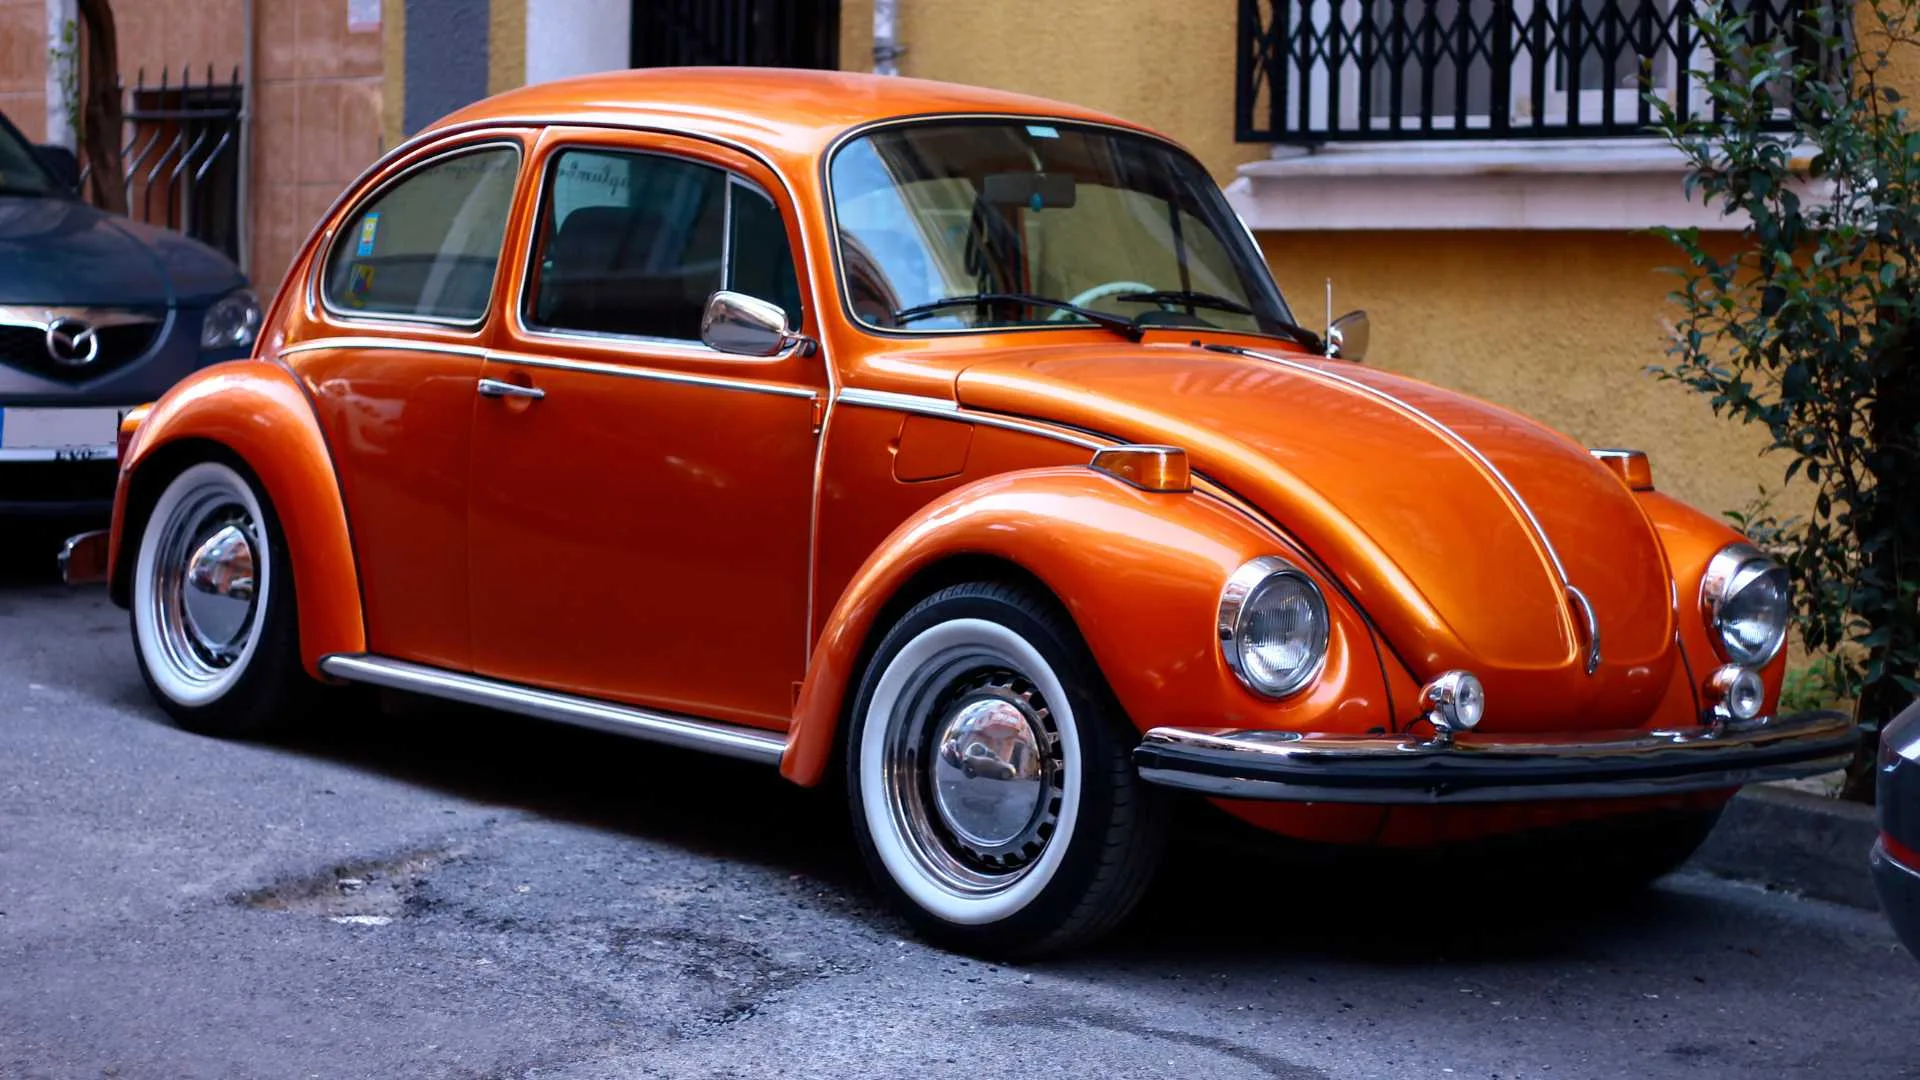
[
  {"x": 1732, "y": 570},
  {"x": 1237, "y": 601}
]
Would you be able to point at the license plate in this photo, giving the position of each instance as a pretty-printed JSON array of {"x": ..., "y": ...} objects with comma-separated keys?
[{"x": 59, "y": 434}]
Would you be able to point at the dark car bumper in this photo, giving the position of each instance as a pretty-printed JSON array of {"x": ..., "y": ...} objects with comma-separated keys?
[
  {"x": 1896, "y": 855},
  {"x": 1472, "y": 767}
]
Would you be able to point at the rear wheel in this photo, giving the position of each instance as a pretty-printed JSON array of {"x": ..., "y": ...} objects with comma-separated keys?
[
  {"x": 213, "y": 607},
  {"x": 991, "y": 780}
]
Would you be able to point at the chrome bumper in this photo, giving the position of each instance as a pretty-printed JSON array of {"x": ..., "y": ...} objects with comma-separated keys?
[
  {"x": 1479, "y": 768},
  {"x": 83, "y": 558}
]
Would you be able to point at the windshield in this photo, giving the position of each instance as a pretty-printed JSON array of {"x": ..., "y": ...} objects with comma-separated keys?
[
  {"x": 982, "y": 224},
  {"x": 20, "y": 171}
]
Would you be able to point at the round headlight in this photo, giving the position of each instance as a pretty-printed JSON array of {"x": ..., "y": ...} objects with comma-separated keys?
[
  {"x": 232, "y": 322},
  {"x": 1273, "y": 626},
  {"x": 1744, "y": 597},
  {"x": 1739, "y": 691}
]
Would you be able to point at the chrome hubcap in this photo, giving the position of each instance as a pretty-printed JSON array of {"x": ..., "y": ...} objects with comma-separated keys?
[
  {"x": 218, "y": 598},
  {"x": 988, "y": 775},
  {"x": 205, "y": 594},
  {"x": 974, "y": 772}
]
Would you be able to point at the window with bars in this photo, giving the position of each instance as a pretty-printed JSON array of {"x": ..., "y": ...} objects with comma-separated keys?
[{"x": 1315, "y": 71}]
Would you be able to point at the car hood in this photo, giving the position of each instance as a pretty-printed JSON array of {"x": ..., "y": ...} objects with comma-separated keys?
[
  {"x": 1423, "y": 503},
  {"x": 60, "y": 251}
]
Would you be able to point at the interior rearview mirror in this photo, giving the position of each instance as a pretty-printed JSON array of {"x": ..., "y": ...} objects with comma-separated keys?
[
  {"x": 1347, "y": 336},
  {"x": 1031, "y": 190},
  {"x": 745, "y": 325},
  {"x": 62, "y": 163}
]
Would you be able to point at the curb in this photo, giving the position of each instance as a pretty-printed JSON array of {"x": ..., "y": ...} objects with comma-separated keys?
[{"x": 1790, "y": 840}]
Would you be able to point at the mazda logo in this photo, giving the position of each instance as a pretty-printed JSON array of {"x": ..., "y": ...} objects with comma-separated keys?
[{"x": 72, "y": 343}]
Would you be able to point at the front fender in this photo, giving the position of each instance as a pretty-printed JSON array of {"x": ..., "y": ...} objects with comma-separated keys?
[
  {"x": 1139, "y": 572},
  {"x": 258, "y": 412},
  {"x": 1691, "y": 539}
]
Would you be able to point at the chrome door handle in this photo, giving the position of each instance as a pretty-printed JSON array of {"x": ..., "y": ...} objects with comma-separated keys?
[{"x": 494, "y": 388}]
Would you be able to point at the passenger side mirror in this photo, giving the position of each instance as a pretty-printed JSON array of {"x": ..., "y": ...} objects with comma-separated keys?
[
  {"x": 1347, "y": 337},
  {"x": 62, "y": 163},
  {"x": 745, "y": 325}
]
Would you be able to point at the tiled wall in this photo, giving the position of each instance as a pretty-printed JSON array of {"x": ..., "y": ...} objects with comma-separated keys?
[
  {"x": 316, "y": 97},
  {"x": 317, "y": 122},
  {"x": 23, "y": 65}
]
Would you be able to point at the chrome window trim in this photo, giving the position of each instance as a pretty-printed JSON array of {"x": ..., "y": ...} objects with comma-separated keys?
[
  {"x": 627, "y": 371},
  {"x": 672, "y": 729},
  {"x": 929, "y": 406},
  {"x": 331, "y": 239},
  {"x": 833, "y": 221},
  {"x": 549, "y": 155}
]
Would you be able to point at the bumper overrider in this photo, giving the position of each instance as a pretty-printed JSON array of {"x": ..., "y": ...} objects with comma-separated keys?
[{"x": 1474, "y": 767}]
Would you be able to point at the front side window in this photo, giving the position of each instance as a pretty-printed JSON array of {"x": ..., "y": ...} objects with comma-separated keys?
[
  {"x": 20, "y": 170},
  {"x": 634, "y": 244},
  {"x": 427, "y": 247},
  {"x": 971, "y": 225}
]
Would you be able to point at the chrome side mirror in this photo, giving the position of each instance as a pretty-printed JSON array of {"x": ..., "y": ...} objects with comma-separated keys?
[
  {"x": 1347, "y": 336},
  {"x": 745, "y": 325}
]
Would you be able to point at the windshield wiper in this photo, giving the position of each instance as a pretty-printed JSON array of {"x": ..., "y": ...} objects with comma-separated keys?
[
  {"x": 1115, "y": 323},
  {"x": 1191, "y": 298}
]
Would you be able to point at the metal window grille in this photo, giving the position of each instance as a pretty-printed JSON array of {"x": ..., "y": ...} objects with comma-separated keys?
[
  {"x": 182, "y": 156},
  {"x": 741, "y": 33},
  {"x": 1319, "y": 71}
]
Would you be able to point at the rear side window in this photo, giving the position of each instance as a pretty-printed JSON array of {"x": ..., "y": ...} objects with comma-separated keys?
[
  {"x": 634, "y": 244},
  {"x": 428, "y": 246}
]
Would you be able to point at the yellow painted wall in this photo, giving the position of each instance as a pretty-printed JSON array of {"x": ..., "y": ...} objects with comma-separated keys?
[
  {"x": 1165, "y": 63},
  {"x": 1558, "y": 325},
  {"x": 506, "y": 44}
]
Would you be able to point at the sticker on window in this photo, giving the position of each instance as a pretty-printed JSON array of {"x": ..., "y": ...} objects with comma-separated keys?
[
  {"x": 1042, "y": 131},
  {"x": 369, "y": 229},
  {"x": 359, "y": 284}
]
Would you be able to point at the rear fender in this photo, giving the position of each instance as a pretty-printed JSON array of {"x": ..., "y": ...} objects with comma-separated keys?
[
  {"x": 256, "y": 411},
  {"x": 1139, "y": 572}
]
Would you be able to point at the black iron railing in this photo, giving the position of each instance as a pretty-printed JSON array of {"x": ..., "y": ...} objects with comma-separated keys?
[
  {"x": 182, "y": 155},
  {"x": 734, "y": 33},
  {"x": 1317, "y": 71}
]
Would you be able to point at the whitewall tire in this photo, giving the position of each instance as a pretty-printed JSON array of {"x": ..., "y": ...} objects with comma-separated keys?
[
  {"x": 212, "y": 605},
  {"x": 990, "y": 776}
]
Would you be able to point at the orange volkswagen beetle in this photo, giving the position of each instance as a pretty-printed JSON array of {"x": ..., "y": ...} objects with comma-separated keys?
[{"x": 954, "y": 442}]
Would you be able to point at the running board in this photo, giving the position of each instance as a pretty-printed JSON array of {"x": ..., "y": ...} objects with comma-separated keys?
[{"x": 728, "y": 740}]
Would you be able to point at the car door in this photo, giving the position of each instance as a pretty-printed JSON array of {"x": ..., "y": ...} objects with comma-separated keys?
[
  {"x": 403, "y": 298},
  {"x": 641, "y": 504}
]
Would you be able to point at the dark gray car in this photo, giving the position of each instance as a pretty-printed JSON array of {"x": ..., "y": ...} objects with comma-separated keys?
[{"x": 98, "y": 313}]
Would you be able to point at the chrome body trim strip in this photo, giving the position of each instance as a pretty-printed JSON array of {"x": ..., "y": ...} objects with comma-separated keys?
[
  {"x": 97, "y": 452},
  {"x": 1472, "y": 767},
  {"x": 727, "y": 740},
  {"x": 930, "y": 406},
  {"x": 391, "y": 344},
  {"x": 595, "y": 367}
]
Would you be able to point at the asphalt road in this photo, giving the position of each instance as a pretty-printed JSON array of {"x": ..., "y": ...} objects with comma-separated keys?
[{"x": 417, "y": 891}]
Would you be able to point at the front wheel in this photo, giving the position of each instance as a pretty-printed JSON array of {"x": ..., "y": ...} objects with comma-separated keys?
[
  {"x": 991, "y": 780},
  {"x": 214, "y": 627}
]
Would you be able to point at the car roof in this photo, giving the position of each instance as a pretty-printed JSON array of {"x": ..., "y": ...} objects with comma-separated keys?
[{"x": 783, "y": 112}]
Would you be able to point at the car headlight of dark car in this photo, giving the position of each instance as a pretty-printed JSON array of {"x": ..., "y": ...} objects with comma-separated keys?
[
  {"x": 232, "y": 322},
  {"x": 1745, "y": 599}
]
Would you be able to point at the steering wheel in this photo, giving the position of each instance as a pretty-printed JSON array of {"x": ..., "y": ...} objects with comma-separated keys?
[{"x": 1099, "y": 292}]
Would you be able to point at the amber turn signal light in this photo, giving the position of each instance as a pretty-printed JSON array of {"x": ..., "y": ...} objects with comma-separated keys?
[
  {"x": 1631, "y": 466},
  {"x": 1150, "y": 468}
]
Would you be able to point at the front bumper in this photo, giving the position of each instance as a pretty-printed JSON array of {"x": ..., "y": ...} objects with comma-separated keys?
[{"x": 1480, "y": 768}]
